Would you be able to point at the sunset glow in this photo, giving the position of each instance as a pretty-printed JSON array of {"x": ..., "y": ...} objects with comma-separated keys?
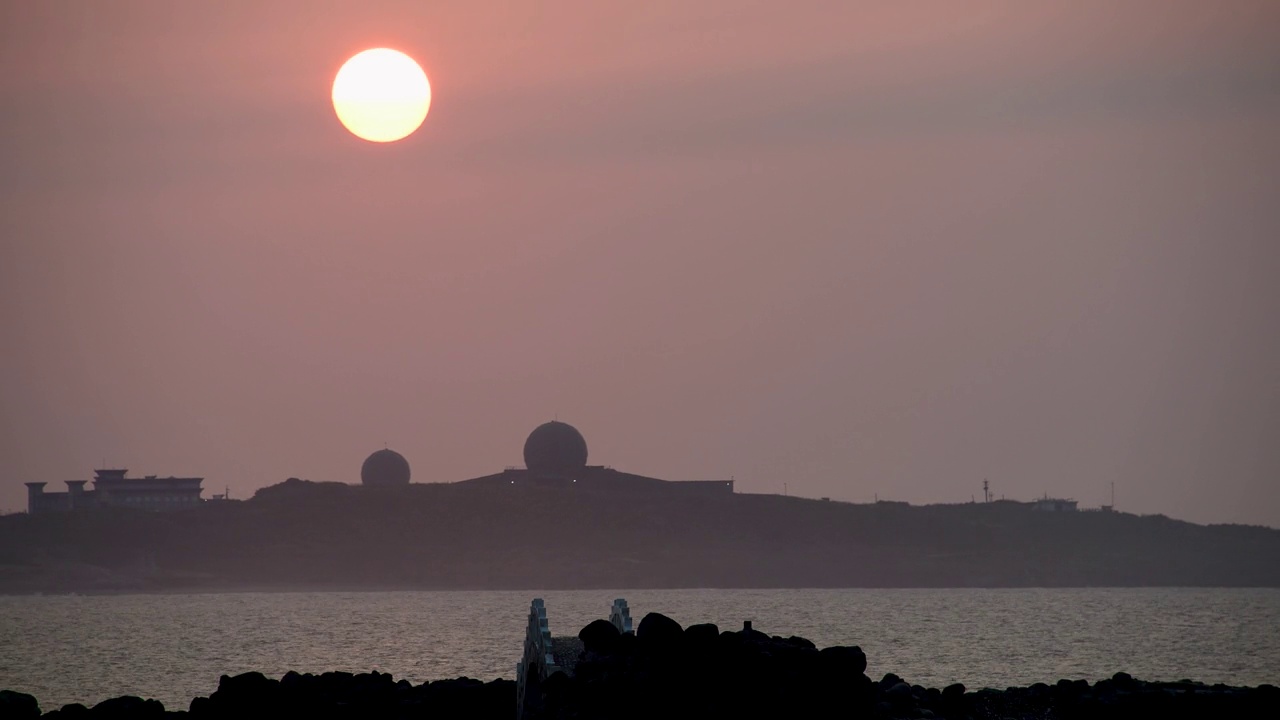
[{"x": 381, "y": 95}]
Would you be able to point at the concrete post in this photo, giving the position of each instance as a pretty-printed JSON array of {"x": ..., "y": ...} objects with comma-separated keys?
[
  {"x": 75, "y": 493},
  {"x": 620, "y": 616},
  {"x": 34, "y": 491}
]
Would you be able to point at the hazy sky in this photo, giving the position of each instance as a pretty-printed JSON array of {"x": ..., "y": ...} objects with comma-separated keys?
[{"x": 859, "y": 248}]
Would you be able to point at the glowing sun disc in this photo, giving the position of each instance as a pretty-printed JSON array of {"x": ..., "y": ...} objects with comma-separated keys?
[{"x": 381, "y": 95}]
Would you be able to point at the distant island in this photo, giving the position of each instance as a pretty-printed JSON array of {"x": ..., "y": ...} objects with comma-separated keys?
[
  {"x": 559, "y": 523},
  {"x": 299, "y": 535}
]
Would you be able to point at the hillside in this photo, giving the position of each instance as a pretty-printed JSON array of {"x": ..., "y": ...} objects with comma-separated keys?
[{"x": 324, "y": 535}]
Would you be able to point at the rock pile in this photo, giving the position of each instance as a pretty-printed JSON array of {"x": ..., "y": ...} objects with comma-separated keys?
[{"x": 665, "y": 671}]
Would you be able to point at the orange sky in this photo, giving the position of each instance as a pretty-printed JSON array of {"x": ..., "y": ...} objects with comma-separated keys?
[{"x": 860, "y": 248}]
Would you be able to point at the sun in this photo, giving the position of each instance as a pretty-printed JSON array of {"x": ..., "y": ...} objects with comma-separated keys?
[{"x": 381, "y": 95}]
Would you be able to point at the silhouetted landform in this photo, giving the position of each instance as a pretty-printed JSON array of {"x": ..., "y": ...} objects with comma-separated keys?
[
  {"x": 666, "y": 671},
  {"x": 490, "y": 534}
]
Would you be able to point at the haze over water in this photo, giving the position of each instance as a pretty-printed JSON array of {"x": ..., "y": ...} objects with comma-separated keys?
[{"x": 173, "y": 647}]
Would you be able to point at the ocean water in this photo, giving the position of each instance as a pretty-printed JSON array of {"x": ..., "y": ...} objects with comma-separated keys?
[{"x": 85, "y": 649}]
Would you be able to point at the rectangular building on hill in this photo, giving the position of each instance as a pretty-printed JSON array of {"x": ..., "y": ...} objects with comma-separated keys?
[{"x": 113, "y": 488}]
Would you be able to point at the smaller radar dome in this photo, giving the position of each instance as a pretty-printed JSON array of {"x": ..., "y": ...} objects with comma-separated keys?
[{"x": 385, "y": 467}]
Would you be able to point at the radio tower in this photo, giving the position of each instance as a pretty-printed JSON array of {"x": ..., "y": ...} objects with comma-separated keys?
[{"x": 986, "y": 491}]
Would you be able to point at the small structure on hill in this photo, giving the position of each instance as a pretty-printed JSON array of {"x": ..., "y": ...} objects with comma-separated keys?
[
  {"x": 1048, "y": 504},
  {"x": 113, "y": 488}
]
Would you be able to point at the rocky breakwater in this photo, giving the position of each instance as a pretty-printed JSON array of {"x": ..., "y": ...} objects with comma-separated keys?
[{"x": 666, "y": 671}]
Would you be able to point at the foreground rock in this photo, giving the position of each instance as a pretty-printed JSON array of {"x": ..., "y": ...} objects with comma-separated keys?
[
  {"x": 18, "y": 706},
  {"x": 331, "y": 695}
]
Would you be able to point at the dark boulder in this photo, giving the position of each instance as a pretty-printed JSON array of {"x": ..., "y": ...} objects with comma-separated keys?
[
  {"x": 899, "y": 694},
  {"x": 659, "y": 631},
  {"x": 889, "y": 680},
  {"x": 847, "y": 659},
  {"x": 246, "y": 685},
  {"x": 627, "y": 643},
  {"x": 250, "y": 692},
  {"x": 557, "y": 693},
  {"x": 600, "y": 636},
  {"x": 798, "y": 641},
  {"x": 127, "y": 707},
  {"x": 19, "y": 706},
  {"x": 71, "y": 711},
  {"x": 702, "y": 634}
]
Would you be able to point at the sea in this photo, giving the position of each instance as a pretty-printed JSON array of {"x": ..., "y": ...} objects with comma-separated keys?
[{"x": 84, "y": 649}]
